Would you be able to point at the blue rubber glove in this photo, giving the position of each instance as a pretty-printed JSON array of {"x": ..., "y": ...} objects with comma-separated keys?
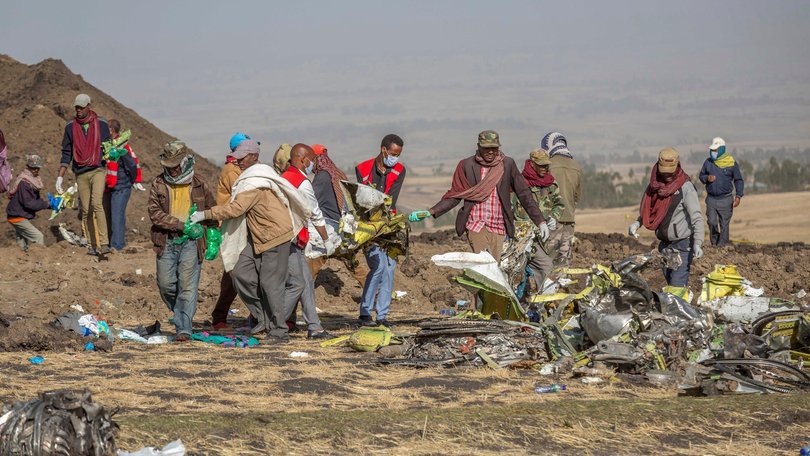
[
  {"x": 418, "y": 216},
  {"x": 54, "y": 202}
]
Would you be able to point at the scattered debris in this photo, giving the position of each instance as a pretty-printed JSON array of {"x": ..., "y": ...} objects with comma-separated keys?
[
  {"x": 175, "y": 448},
  {"x": 299, "y": 354},
  {"x": 36, "y": 360}
]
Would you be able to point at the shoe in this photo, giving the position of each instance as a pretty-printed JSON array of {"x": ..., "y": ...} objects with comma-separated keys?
[
  {"x": 92, "y": 251},
  {"x": 104, "y": 250},
  {"x": 221, "y": 326},
  {"x": 385, "y": 322},
  {"x": 322, "y": 334},
  {"x": 275, "y": 340},
  {"x": 292, "y": 327},
  {"x": 182, "y": 338},
  {"x": 258, "y": 328},
  {"x": 366, "y": 321}
]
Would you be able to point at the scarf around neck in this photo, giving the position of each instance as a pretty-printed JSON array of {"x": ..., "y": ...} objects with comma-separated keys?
[
  {"x": 25, "y": 175},
  {"x": 186, "y": 172},
  {"x": 658, "y": 197},
  {"x": 324, "y": 163},
  {"x": 87, "y": 147},
  {"x": 462, "y": 189},
  {"x": 533, "y": 179},
  {"x": 724, "y": 161}
]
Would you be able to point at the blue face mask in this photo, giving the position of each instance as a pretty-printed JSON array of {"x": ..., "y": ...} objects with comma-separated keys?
[
  {"x": 309, "y": 168},
  {"x": 713, "y": 154},
  {"x": 390, "y": 160}
]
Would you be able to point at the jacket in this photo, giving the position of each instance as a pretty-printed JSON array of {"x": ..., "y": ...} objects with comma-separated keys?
[
  {"x": 728, "y": 180},
  {"x": 67, "y": 146},
  {"x": 547, "y": 198},
  {"x": 26, "y": 202},
  {"x": 268, "y": 219},
  {"x": 568, "y": 175},
  {"x": 227, "y": 177},
  {"x": 686, "y": 220},
  {"x": 165, "y": 226},
  {"x": 512, "y": 181},
  {"x": 122, "y": 173}
]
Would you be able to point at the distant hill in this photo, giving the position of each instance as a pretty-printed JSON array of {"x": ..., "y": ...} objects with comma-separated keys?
[{"x": 36, "y": 101}]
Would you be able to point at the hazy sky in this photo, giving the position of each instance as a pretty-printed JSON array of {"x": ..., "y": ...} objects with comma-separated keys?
[{"x": 613, "y": 76}]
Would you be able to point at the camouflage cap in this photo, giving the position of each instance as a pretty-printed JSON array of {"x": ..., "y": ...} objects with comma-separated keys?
[
  {"x": 173, "y": 153},
  {"x": 33, "y": 161},
  {"x": 489, "y": 138},
  {"x": 668, "y": 160},
  {"x": 281, "y": 159},
  {"x": 540, "y": 157}
]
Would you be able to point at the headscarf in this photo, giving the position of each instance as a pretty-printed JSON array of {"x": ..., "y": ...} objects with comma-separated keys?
[
  {"x": 325, "y": 164},
  {"x": 556, "y": 144},
  {"x": 462, "y": 189},
  {"x": 5, "y": 168},
  {"x": 658, "y": 197},
  {"x": 723, "y": 160},
  {"x": 533, "y": 179},
  {"x": 186, "y": 172},
  {"x": 87, "y": 148},
  {"x": 25, "y": 175}
]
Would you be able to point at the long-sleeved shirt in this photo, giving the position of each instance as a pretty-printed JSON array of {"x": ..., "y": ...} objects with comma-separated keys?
[
  {"x": 309, "y": 193},
  {"x": 727, "y": 180},
  {"x": 67, "y": 146}
]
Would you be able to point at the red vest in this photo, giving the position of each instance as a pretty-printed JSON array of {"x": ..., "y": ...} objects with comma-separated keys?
[
  {"x": 365, "y": 168},
  {"x": 296, "y": 178},
  {"x": 112, "y": 170}
]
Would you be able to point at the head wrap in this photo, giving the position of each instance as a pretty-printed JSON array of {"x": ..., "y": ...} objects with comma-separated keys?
[{"x": 556, "y": 144}]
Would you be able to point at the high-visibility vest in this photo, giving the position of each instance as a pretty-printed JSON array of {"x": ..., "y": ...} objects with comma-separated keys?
[
  {"x": 296, "y": 178},
  {"x": 365, "y": 168},
  {"x": 112, "y": 170}
]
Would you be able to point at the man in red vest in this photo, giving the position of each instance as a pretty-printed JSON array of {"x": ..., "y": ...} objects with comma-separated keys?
[
  {"x": 386, "y": 174},
  {"x": 300, "y": 284}
]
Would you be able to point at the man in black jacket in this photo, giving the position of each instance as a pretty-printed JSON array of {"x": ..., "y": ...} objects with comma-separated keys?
[
  {"x": 25, "y": 203},
  {"x": 485, "y": 183}
]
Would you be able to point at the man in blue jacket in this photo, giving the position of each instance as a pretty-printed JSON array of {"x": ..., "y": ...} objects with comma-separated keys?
[{"x": 724, "y": 188}]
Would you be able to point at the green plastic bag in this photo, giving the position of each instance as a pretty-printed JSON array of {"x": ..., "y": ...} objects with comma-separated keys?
[{"x": 213, "y": 239}]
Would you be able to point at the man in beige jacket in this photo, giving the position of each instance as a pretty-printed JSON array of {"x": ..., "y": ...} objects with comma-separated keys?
[{"x": 568, "y": 175}]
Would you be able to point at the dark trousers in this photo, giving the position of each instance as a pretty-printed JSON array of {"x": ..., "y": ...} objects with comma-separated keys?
[
  {"x": 261, "y": 281},
  {"x": 718, "y": 216},
  {"x": 678, "y": 277},
  {"x": 118, "y": 217},
  {"x": 227, "y": 294}
]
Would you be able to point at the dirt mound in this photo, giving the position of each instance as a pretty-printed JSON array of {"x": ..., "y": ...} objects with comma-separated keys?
[
  {"x": 35, "y": 335},
  {"x": 36, "y": 101}
]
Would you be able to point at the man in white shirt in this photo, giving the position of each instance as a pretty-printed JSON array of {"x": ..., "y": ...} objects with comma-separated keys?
[{"x": 300, "y": 284}]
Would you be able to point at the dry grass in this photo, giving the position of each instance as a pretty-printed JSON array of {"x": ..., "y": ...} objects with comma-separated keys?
[{"x": 259, "y": 401}]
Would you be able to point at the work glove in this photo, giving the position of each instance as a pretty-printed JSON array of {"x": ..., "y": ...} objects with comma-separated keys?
[
  {"x": 544, "y": 231},
  {"x": 197, "y": 217},
  {"x": 552, "y": 223},
  {"x": 330, "y": 247},
  {"x": 634, "y": 229},
  {"x": 697, "y": 251},
  {"x": 418, "y": 216},
  {"x": 54, "y": 202},
  {"x": 59, "y": 181},
  {"x": 138, "y": 186}
]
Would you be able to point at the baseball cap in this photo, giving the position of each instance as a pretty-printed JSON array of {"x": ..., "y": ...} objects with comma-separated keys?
[
  {"x": 668, "y": 160},
  {"x": 319, "y": 149},
  {"x": 82, "y": 100},
  {"x": 717, "y": 143},
  {"x": 34, "y": 161},
  {"x": 540, "y": 157},
  {"x": 245, "y": 148},
  {"x": 489, "y": 138}
]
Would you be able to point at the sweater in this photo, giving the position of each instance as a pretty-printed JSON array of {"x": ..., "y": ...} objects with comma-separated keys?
[{"x": 26, "y": 202}]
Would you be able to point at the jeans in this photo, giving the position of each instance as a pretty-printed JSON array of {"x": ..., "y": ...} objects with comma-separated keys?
[
  {"x": 678, "y": 277},
  {"x": 718, "y": 216},
  {"x": 26, "y": 233},
  {"x": 118, "y": 217},
  {"x": 178, "y": 279},
  {"x": 379, "y": 283}
]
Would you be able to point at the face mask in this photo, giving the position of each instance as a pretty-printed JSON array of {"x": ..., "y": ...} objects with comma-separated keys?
[
  {"x": 309, "y": 168},
  {"x": 713, "y": 154},
  {"x": 390, "y": 161}
]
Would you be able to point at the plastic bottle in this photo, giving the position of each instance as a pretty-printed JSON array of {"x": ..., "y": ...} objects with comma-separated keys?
[
  {"x": 554, "y": 388},
  {"x": 805, "y": 451}
]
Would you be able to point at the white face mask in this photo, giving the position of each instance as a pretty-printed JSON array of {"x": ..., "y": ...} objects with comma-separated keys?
[
  {"x": 713, "y": 154},
  {"x": 389, "y": 161},
  {"x": 309, "y": 168}
]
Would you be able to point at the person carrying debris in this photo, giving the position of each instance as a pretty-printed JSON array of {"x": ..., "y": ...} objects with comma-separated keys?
[
  {"x": 227, "y": 292},
  {"x": 300, "y": 284},
  {"x": 122, "y": 175},
  {"x": 546, "y": 194},
  {"x": 81, "y": 149},
  {"x": 386, "y": 174},
  {"x": 179, "y": 258},
  {"x": 724, "y": 189},
  {"x": 568, "y": 175},
  {"x": 332, "y": 202},
  {"x": 670, "y": 207},
  {"x": 25, "y": 202},
  {"x": 263, "y": 215},
  {"x": 485, "y": 182}
]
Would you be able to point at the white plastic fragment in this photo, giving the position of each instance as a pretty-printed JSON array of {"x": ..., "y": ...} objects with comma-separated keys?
[
  {"x": 298, "y": 354},
  {"x": 175, "y": 448}
]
